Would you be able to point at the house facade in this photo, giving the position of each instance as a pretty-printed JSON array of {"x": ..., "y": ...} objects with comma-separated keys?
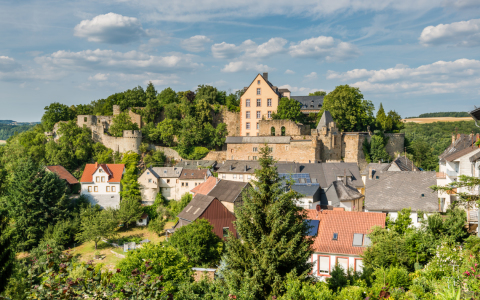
[
  {"x": 189, "y": 179},
  {"x": 341, "y": 238},
  {"x": 100, "y": 184},
  {"x": 156, "y": 179}
]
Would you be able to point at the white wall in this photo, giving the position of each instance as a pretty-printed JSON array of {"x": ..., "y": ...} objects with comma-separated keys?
[
  {"x": 333, "y": 260},
  {"x": 101, "y": 197},
  {"x": 394, "y": 215},
  {"x": 236, "y": 177}
]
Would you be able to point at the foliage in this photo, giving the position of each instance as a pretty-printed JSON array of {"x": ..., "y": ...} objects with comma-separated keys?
[
  {"x": 396, "y": 277},
  {"x": 56, "y": 112},
  {"x": 163, "y": 261},
  {"x": 288, "y": 109},
  {"x": 469, "y": 184},
  {"x": 193, "y": 153},
  {"x": 129, "y": 182},
  {"x": 198, "y": 243},
  {"x": 273, "y": 235},
  {"x": 130, "y": 210},
  {"x": 423, "y": 154},
  {"x": 306, "y": 290},
  {"x": 97, "y": 224},
  {"x": 177, "y": 206},
  {"x": 444, "y": 114},
  {"x": 388, "y": 248},
  {"x": 164, "y": 132},
  {"x": 7, "y": 252},
  {"x": 348, "y": 108},
  {"x": 154, "y": 159},
  {"x": 375, "y": 150},
  {"x": 120, "y": 123},
  {"x": 318, "y": 93},
  {"x": 403, "y": 221},
  {"x": 337, "y": 279},
  {"x": 7, "y": 131},
  {"x": 157, "y": 225}
]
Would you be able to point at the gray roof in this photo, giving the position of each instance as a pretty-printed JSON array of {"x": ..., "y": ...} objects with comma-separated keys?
[
  {"x": 308, "y": 101},
  {"x": 194, "y": 164},
  {"x": 393, "y": 191},
  {"x": 332, "y": 170},
  {"x": 463, "y": 142},
  {"x": 238, "y": 166},
  {"x": 345, "y": 192},
  {"x": 228, "y": 191},
  {"x": 166, "y": 172},
  {"x": 325, "y": 120},
  {"x": 258, "y": 140},
  {"x": 377, "y": 167},
  {"x": 475, "y": 157},
  {"x": 404, "y": 164},
  {"x": 307, "y": 190},
  {"x": 196, "y": 207}
]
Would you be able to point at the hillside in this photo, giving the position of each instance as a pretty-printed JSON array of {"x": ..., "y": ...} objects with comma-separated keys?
[
  {"x": 436, "y": 119},
  {"x": 7, "y": 131}
]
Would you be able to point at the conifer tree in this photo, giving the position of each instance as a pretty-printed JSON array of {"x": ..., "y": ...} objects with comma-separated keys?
[
  {"x": 7, "y": 254},
  {"x": 381, "y": 118},
  {"x": 272, "y": 240}
]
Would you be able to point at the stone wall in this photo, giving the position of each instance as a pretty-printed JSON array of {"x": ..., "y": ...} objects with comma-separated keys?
[
  {"x": 232, "y": 119},
  {"x": 291, "y": 128},
  {"x": 217, "y": 156},
  {"x": 395, "y": 143},
  {"x": 131, "y": 141},
  {"x": 169, "y": 152}
]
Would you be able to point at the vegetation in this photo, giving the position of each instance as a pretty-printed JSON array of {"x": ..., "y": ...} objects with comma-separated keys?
[
  {"x": 120, "y": 123},
  {"x": 6, "y": 131},
  {"x": 7, "y": 254},
  {"x": 288, "y": 109},
  {"x": 443, "y": 114},
  {"x": 97, "y": 224}
]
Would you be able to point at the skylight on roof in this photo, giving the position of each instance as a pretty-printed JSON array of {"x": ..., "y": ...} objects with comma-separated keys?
[
  {"x": 335, "y": 236},
  {"x": 357, "y": 239}
]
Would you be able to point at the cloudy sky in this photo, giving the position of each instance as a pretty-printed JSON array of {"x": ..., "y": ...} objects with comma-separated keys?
[{"x": 415, "y": 56}]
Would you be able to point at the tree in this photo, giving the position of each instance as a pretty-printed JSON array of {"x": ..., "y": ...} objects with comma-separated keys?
[
  {"x": 210, "y": 94},
  {"x": 56, "y": 112},
  {"x": 97, "y": 224},
  {"x": 153, "y": 107},
  {"x": 423, "y": 154},
  {"x": 377, "y": 148},
  {"x": 165, "y": 132},
  {"x": 7, "y": 253},
  {"x": 396, "y": 120},
  {"x": 198, "y": 243},
  {"x": 35, "y": 199},
  {"x": 122, "y": 122},
  {"x": 167, "y": 96},
  {"x": 288, "y": 109},
  {"x": 388, "y": 248},
  {"x": 273, "y": 232},
  {"x": 154, "y": 159},
  {"x": 348, "y": 108},
  {"x": 382, "y": 121},
  {"x": 130, "y": 210},
  {"x": 318, "y": 93},
  {"x": 403, "y": 221}
]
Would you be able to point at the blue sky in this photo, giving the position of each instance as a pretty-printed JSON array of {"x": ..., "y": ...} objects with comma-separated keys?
[{"x": 414, "y": 56}]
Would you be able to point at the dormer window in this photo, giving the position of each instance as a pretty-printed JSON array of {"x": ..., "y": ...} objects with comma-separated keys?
[
  {"x": 335, "y": 236},
  {"x": 100, "y": 170},
  {"x": 148, "y": 173},
  {"x": 258, "y": 81}
]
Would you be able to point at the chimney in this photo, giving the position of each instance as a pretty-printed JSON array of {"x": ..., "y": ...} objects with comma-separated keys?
[
  {"x": 370, "y": 173},
  {"x": 198, "y": 163},
  {"x": 453, "y": 138},
  {"x": 245, "y": 168},
  {"x": 231, "y": 168},
  {"x": 96, "y": 165},
  {"x": 344, "y": 176},
  {"x": 265, "y": 75},
  {"x": 245, "y": 88}
]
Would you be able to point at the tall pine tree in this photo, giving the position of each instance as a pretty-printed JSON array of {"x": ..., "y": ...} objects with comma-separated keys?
[
  {"x": 272, "y": 239},
  {"x": 7, "y": 254},
  {"x": 381, "y": 118}
]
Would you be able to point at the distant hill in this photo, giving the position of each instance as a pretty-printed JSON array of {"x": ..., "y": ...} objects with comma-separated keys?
[
  {"x": 7, "y": 130},
  {"x": 6, "y": 121},
  {"x": 443, "y": 114}
]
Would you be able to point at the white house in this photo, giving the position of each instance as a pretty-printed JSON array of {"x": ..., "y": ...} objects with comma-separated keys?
[
  {"x": 340, "y": 237},
  {"x": 156, "y": 179},
  {"x": 100, "y": 184}
]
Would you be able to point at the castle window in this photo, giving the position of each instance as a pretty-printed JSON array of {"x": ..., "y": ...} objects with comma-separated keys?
[
  {"x": 258, "y": 125},
  {"x": 247, "y": 115},
  {"x": 259, "y": 91},
  {"x": 84, "y": 119},
  {"x": 98, "y": 121},
  {"x": 269, "y": 102},
  {"x": 258, "y": 114},
  {"x": 269, "y": 114},
  {"x": 254, "y": 158},
  {"x": 272, "y": 131},
  {"x": 247, "y": 103},
  {"x": 255, "y": 149},
  {"x": 259, "y": 102},
  {"x": 283, "y": 130},
  {"x": 270, "y": 149},
  {"x": 247, "y": 125}
]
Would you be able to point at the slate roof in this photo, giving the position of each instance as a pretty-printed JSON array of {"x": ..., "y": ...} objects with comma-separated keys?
[
  {"x": 475, "y": 114},
  {"x": 393, "y": 191},
  {"x": 308, "y": 101},
  {"x": 377, "y": 167},
  {"x": 238, "y": 166},
  {"x": 193, "y": 174},
  {"x": 205, "y": 187},
  {"x": 166, "y": 172},
  {"x": 194, "y": 164},
  {"x": 345, "y": 192},
  {"x": 307, "y": 190},
  {"x": 63, "y": 174},
  {"x": 258, "y": 140},
  {"x": 228, "y": 191},
  {"x": 332, "y": 170},
  {"x": 114, "y": 171},
  {"x": 404, "y": 164},
  {"x": 345, "y": 224},
  {"x": 462, "y": 142},
  {"x": 196, "y": 207},
  {"x": 460, "y": 153},
  {"x": 325, "y": 120}
]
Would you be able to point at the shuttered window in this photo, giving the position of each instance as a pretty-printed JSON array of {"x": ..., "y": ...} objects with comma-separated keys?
[
  {"x": 359, "y": 265},
  {"x": 324, "y": 264},
  {"x": 343, "y": 262}
]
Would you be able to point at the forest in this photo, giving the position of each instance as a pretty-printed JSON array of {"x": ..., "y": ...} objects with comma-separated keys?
[
  {"x": 7, "y": 131},
  {"x": 443, "y": 114}
]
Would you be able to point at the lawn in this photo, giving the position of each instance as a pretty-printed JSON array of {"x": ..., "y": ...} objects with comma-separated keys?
[{"x": 86, "y": 251}]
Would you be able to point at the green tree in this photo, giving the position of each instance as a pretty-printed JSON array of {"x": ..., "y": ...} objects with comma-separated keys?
[
  {"x": 210, "y": 94},
  {"x": 130, "y": 210},
  {"x": 388, "y": 248},
  {"x": 154, "y": 159},
  {"x": 56, "y": 112},
  {"x": 35, "y": 199},
  {"x": 273, "y": 232},
  {"x": 402, "y": 222},
  {"x": 423, "y": 155},
  {"x": 348, "y": 108},
  {"x": 165, "y": 132},
  {"x": 153, "y": 108},
  {"x": 122, "y": 122},
  {"x": 167, "y": 96},
  {"x": 97, "y": 224},
  {"x": 7, "y": 253},
  {"x": 396, "y": 120},
  {"x": 377, "y": 148},
  {"x": 318, "y": 93},
  {"x": 381, "y": 119},
  {"x": 288, "y": 109},
  {"x": 198, "y": 243}
]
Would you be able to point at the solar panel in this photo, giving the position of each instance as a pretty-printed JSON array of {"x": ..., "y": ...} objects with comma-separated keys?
[{"x": 313, "y": 227}]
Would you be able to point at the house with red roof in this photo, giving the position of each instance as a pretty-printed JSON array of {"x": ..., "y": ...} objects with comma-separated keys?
[
  {"x": 100, "y": 184},
  {"x": 63, "y": 174},
  {"x": 340, "y": 237}
]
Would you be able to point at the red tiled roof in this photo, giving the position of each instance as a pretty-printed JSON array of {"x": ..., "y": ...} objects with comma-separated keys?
[
  {"x": 205, "y": 187},
  {"x": 345, "y": 224},
  {"x": 114, "y": 172},
  {"x": 193, "y": 174},
  {"x": 63, "y": 174}
]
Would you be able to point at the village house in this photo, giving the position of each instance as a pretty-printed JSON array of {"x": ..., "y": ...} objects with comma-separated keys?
[
  {"x": 237, "y": 170},
  {"x": 62, "y": 173},
  {"x": 205, "y": 187},
  {"x": 196, "y": 164},
  {"x": 389, "y": 192},
  {"x": 229, "y": 193},
  {"x": 400, "y": 163},
  {"x": 189, "y": 179},
  {"x": 340, "y": 238},
  {"x": 100, "y": 184},
  {"x": 159, "y": 179},
  {"x": 310, "y": 195}
]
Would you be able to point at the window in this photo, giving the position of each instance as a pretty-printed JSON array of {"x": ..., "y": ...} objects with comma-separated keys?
[
  {"x": 259, "y": 102},
  {"x": 168, "y": 180},
  {"x": 269, "y": 102},
  {"x": 183, "y": 183},
  {"x": 225, "y": 231},
  {"x": 269, "y": 114},
  {"x": 186, "y": 183},
  {"x": 249, "y": 177},
  {"x": 376, "y": 177},
  {"x": 343, "y": 262},
  {"x": 103, "y": 178},
  {"x": 223, "y": 176},
  {"x": 97, "y": 179},
  {"x": 84, "y": 119},
  {"x": 423, "y": 195},
  {"x": 234, "y": 176},
  {"x": 270, "y": 149},
  {"x": 254, "y": 158},
  {"x": 258, "y": 81},
  {"x": 240, "y": 177},
  {"x": 196, "y": 184},
  {"x": 272, "y": 131},
  {"x": 247, "y": 103},
  {"x": 100, "y": 170},
  {"x": 247, "y": 115},
  {"x": 108, "y": 189},
  {"x": 357, "y": 239},
  {"x": 255, "y": 149},
  {"x": 114, "y": 189},
  {"x": 419, "y": 216},
  {"x": 358, "y": 265},
  {"x": 95, "y": 188},
  {"x": 89, "y": 188},
  {"x": 247, "y": 125},
  {"x": 259, "y": 91},
  {"x": 323, "y": 265},
  {"x": 335, "y": 236},
  {"x": 248, "y": 133},
  {"x": 258, "y": 114},
  {"x": 258, "y": 125},
  {"x": 148, "y": 173}
]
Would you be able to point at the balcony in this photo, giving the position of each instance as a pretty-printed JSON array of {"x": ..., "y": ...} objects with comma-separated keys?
[{"x": 453, "y": 174}]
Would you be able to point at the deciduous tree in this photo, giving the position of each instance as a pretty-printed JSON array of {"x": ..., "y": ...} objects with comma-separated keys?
[
  {"x": 56, "y": 112},
  {"x": 288, "y": 109},
  {"x": 97, "y": 224},
  {"x": 120, "y": 123},
  {"x": 130, "y": 210}
]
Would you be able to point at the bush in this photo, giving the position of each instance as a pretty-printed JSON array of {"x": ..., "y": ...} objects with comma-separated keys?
[
  {"x": 394, "y": 277},
  {"x": 351, "y": 293},
  {"x": 193, "y": 153},
  {"x": 296, "y": 289}
]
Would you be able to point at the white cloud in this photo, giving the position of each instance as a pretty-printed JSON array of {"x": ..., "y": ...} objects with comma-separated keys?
[
  {"x": 249, "y": 49},
  {"x": 8, "y": 64},
  {"x": 273, "y": 46},
  {"x": 312, "y": 75},
  {"x": 324, "y": 47},
  {"x": 110, "y": 28},
  {"x": 195, "y": 43},
  {"x": 288, "y": 71},
  {"x": 459, "y": 76},
  {"x": 99, "y": 77},
  {"x": 464, "y": 33},
  {"x": 237, "y": 66}
]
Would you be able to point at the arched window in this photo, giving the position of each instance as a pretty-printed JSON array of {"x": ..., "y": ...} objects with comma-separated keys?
[
  {"x": 273, "y": 130},
  {"x": 283, "y": 130}
]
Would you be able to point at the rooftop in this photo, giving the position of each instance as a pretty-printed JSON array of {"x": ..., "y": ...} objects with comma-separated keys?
[
  {"x": 196, "y": 207},
  {"x": 114, "y": 171},
  {"x": 195, "y": 164},
  {"x": 228, "y": 191},
  {"x": 166, "y": 172},
  {"x": 345, "y": 192},
  {"x": 193, "y": 174},
  {"x": 63, "y": 173},
  {"x": 205, "y": 187}
]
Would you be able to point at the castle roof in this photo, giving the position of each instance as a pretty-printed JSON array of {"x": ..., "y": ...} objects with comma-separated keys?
[{"x": 325, "y": 120}]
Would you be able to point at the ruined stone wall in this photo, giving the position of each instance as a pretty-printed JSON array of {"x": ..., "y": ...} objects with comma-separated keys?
[
  {"x": 217, "y": 156},
  {"x": 297, "y": 150},
  {"x": 136, "y": 118},
  {"x": 169, "y": 152},
  {"x": 130, "y": 141},
  {"x": 232, "y": 119},
  {"x": 395, "y": 143},
  {"x": 291, "y": 128}
]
